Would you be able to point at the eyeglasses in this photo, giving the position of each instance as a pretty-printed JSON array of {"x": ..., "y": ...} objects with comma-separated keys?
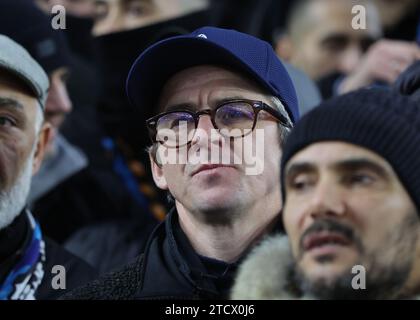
[{"x": 233, "y": 119}]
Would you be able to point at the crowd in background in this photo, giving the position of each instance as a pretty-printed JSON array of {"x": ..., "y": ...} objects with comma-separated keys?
[{"x": 94, "y": 193}]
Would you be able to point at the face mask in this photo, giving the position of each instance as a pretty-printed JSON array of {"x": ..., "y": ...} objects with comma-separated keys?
[
  {"x": 78, "y": 31},
  {"x": 115, "y": 54}
]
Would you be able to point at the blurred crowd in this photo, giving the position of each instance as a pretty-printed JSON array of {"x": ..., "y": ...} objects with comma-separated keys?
[{"x": 100, "y": 203}]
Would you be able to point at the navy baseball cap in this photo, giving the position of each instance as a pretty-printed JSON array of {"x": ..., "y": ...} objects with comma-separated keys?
[{"x": 208, "y": 45}]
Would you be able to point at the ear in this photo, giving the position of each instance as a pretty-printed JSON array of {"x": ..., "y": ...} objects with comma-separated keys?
[
  {"x": 157, "y": 173},
  {"x": 284, "y": 47},
  {"x": 44, "y": 138}
]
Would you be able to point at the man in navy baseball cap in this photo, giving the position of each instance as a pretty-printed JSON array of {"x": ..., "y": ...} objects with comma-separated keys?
[
  {"x": 220, "y": 105},
  {"x": 209, "y": 45}
]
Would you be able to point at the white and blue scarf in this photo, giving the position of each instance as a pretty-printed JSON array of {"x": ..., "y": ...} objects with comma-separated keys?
[{"x": 24, "y": 279}]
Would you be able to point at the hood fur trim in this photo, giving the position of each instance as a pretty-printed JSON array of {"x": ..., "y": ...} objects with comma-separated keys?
[{"x": 264, "y": 275}]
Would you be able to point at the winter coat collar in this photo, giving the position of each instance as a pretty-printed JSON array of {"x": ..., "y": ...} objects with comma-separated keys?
[
  {"x": 171, "y": 269},
  {"x": 270, "y": 260}
]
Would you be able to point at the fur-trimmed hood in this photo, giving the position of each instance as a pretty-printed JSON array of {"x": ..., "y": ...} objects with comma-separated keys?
[{"x": 265, "y": 274}]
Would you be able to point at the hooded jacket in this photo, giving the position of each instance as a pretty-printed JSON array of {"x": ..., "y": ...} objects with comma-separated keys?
[{"x": 265, "y": 274}]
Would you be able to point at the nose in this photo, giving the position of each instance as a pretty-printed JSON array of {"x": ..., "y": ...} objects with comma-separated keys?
[
  {"x": 59, "y": 100},
  {"x": 205, "y": 131},
  {"x": 205, "y": 123},
  {"x": 328, "y": 200},
  {"x": 349, "y": 59}
]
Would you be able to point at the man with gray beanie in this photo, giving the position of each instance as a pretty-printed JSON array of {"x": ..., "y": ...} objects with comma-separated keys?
[
  {"x": 31, "y": 266},
  {"x": 351, "y": 191}
]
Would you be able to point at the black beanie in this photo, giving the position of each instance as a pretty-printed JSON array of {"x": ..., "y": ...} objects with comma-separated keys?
[
  {"x": 26, "y": 24},
  {"x": 377, "y": 119}
]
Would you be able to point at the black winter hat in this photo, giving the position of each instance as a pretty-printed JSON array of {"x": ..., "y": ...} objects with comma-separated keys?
[
  {"x": 26, "y": 24},
  {"x": 380, "y": 120}
]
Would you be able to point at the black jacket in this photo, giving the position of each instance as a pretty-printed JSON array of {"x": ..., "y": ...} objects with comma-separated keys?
[
  {"x": 78, "y": 272},
  {"x": 110, "y": 245},
  {"x": 169, "y": 268},
  {"x": 16, "y": 240},
  {"x": 88, "y": 197}
]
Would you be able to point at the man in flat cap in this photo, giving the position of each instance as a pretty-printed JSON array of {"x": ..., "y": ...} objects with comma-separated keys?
[{"x": 28, "y": 261}]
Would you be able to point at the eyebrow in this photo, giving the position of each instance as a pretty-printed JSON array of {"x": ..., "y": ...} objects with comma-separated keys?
[
  {"x": 98, "y": 3},
  {"x": 180, "y": 106},
  {"x": 193, "y": 107},
  {"x": 344, "y": 165},
  {"x": 361, "y": 163},
  {"x": 142, "y": 1},
  {"x": 300, "y": 167},
  {"x": 9, "y": 102}
]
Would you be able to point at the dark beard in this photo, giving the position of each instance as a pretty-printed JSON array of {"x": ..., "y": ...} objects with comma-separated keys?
[
  {"x": 383, "y": 280},
  {"x": 384, "y": 285}
]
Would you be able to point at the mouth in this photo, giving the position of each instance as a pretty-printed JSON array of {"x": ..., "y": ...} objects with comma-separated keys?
[
  {"x": 325, "y": 239},
  {"x": 209, "y": 167}
]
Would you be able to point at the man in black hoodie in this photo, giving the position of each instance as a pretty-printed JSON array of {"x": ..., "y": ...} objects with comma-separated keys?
[{"x": 28, "y": 260}]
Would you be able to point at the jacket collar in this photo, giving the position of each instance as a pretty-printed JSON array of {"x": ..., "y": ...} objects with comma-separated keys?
[
  {"x": 267, "y": 273},
  {"x": 271, "y": 260},
  {"x": 169, "y": 254}
]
